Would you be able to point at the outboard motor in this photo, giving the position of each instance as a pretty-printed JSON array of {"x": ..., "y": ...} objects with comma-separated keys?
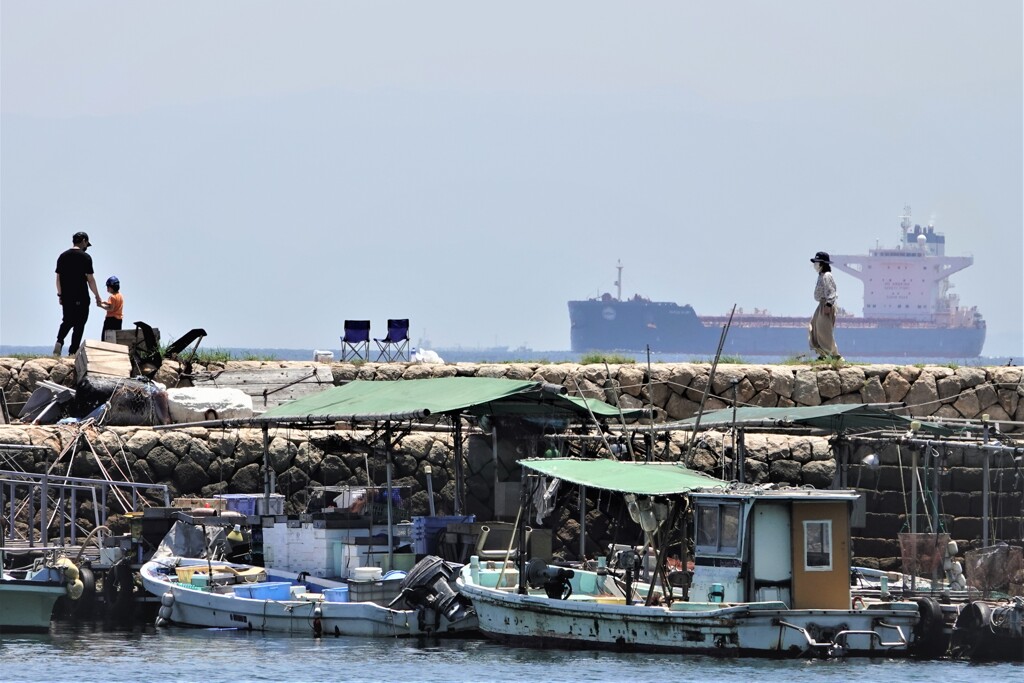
[
  {"x": 428, "y": 585},
  {"x": 554, "y": 580},
  {"x": 629, "y": 561}
]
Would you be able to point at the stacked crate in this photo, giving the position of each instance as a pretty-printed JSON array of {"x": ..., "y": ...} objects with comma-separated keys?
[{"x": 425, "y": 531}]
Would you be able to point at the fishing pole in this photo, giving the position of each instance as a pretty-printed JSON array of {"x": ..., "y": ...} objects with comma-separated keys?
[{"x": 707, "y": 388}]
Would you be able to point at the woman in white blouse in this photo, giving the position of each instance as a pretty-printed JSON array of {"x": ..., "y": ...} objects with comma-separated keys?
[{"x": 823, "y": 322}]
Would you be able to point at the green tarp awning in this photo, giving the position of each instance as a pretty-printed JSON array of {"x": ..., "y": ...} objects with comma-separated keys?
[
  {"x": 845, "y": 418},
  {"x": 645, "y": 479},
  {"x": 410, "y": 398}
]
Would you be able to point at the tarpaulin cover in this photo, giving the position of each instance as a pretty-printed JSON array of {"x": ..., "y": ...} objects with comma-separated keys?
[
  {"x": 648, "y": 479},
  {"x": 836, "y": 418},
  {"x": 369, "y": 400}
]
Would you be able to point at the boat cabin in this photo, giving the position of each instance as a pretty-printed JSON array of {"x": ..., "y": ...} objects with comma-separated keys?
[{"x": 757, "y": 545}]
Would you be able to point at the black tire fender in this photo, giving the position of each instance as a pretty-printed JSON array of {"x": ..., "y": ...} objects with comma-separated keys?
[{"x": 929, "y": 633}]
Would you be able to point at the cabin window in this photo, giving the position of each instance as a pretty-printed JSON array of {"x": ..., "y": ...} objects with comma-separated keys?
[
  {"x": 718, "y": 529},
  {"x": 818, "y": 545}
]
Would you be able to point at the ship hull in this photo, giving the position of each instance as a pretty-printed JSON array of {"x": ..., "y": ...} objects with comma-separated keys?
[{"x": 665, "y": 327}]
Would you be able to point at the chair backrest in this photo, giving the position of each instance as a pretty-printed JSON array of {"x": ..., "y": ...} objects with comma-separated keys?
[
  {"x": 398, "y": 330},
  {"x": 357, "y": 331}
]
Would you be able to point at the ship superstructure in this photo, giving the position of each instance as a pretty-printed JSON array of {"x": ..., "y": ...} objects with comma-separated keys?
[{"x": 911, "y": 281}]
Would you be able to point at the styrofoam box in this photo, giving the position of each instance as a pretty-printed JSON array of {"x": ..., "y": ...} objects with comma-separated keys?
[{"x": 193, "y": 404}]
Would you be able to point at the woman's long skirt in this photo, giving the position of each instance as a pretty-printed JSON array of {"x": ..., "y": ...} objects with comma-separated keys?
[{"x": 821, "y": 331}]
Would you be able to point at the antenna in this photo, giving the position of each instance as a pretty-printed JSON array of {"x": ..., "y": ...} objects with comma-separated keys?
[{"x": 904, "y": 224}]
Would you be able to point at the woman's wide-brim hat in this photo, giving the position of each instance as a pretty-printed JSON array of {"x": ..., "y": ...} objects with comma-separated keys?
[{"x": 821, "y": 257}]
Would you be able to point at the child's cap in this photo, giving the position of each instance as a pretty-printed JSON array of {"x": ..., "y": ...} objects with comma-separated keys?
[{"x": 112, "y": 281}]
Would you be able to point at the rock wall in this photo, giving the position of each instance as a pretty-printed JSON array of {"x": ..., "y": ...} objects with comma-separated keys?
[
  {"x": 675, "y": 389},
  {"x": 195, "y": 461}
]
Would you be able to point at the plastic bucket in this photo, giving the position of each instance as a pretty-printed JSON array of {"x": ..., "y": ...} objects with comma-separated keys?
[{"x": 366, "y": 573}]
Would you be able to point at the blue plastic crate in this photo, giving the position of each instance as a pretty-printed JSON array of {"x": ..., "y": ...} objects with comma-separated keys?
[{"x": 268, "y": 590}]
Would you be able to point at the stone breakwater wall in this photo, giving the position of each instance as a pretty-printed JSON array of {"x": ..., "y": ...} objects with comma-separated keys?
[
  {"x": 674, "y": 389},
  {"x": 198, "y": 461}
]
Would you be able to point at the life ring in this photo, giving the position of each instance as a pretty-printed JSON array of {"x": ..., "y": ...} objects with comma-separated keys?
[{"x": 858, "y": 603}]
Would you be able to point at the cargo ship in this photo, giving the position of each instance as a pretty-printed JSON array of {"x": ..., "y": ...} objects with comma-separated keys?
[{"x": 909, "y": 312}]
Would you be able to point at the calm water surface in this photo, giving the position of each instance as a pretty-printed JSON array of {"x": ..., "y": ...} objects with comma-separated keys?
[{"x": 93, "y": 653}]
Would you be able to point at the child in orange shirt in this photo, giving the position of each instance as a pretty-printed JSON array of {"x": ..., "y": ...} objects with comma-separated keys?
[{"x": 114, "y": 306}]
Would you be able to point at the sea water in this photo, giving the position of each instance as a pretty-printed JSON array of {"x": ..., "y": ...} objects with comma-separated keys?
[{"x": 85, "y": 652}]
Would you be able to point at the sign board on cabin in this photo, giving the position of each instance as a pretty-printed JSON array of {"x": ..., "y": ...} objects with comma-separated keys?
[{"x": 102, "y": 359}]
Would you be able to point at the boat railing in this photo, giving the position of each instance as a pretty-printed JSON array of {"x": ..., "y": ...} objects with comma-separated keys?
[
  {"x": 838, "y": 644},
  {"x": 51, "y": 501}
]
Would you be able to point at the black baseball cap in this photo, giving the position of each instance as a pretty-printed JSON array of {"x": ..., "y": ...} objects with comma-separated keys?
[{"x": 79, "y": 237}]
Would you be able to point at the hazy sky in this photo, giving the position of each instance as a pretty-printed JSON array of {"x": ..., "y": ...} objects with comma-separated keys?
[{"x": 265, "y": 170}]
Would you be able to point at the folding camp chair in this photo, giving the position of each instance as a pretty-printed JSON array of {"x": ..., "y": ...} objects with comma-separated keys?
[
  {"x": 145, "y": 355},
  {"x": 355, "y": 344},
  {"x": 395, "y": 346},
  {"x": 176, "y": 351}
]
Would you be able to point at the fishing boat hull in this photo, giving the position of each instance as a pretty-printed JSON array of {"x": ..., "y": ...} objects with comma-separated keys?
[
  {"x": 766, "y": 629},
  {"x": 26, "y": 606},
  {"x": 300, "y": 611}
]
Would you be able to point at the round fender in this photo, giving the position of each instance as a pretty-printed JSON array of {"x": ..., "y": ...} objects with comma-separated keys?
[
  {"x": 929, "y": 639},
  {"x": 167, "y": 599},
  {"x": 69, "y": 569},
  {"x": 88, "y": 582},
  {"x": 972, "y": 626},
  {"x": 75, "y": 589}
]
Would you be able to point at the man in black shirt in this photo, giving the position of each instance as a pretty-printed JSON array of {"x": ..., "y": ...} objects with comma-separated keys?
[{"x": 74, "y": 280}]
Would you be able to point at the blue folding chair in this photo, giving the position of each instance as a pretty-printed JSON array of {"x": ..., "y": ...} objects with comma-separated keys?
[
  {"x": 395, "y": 346},
  {"x": 355, "y": 344}
]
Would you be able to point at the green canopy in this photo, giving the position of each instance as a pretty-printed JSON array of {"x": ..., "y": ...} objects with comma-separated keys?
[
  {"x": 646, "y": 479},
  {"x": 838, "y": 418},
  {"x": 416, "y": 398}
]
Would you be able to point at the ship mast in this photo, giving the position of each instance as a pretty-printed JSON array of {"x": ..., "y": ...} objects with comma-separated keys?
[
  {"x": 904, "y": 225},
  {"x": 618, "y": 280}
]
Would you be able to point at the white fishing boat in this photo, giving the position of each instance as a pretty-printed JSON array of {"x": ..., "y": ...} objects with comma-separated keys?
[
  {"x": 27, "y": 596},
  {"x": 203, "y": 592},
  {"x": 771, "y": 575}
]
